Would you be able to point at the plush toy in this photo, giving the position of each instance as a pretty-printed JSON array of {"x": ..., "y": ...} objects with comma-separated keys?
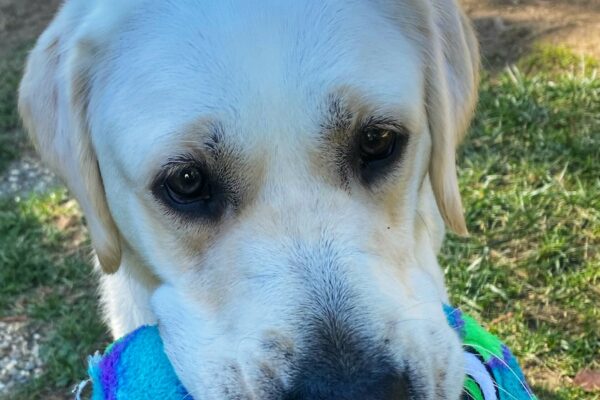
[
  {"x": 135, "y": 367},
  {"x": 491, "y": 371}
]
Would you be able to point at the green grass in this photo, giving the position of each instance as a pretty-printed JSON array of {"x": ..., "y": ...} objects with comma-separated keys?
[
  {"x": 12, "y": 140},
  {"x": 46, "y": 277},
  {"x": 11, "y": 70},
  {"x": 530, "y": 177},
  {"x": 555, "y": 60}
]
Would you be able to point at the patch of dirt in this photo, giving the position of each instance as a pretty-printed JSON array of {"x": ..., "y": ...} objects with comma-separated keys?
[
  {"x": 508, "y": 29},
  {"x": 21, "y": 21},
  {"x": 25, "y": 176}
]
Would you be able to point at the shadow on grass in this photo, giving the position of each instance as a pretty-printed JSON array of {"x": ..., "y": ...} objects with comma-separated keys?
[
  {"x": 545, "y": 394},
  {"x": 12, "y": 139}
]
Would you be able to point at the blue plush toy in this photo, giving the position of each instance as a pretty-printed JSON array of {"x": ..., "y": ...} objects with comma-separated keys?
[{"x": 136, "y": 367}]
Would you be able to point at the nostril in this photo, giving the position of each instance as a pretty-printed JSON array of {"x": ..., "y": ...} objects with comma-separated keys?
[{"x": 366, "y": 386}]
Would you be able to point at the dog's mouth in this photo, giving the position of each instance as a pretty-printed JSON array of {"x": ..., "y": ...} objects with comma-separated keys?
[{"x": 331, "y": 352}]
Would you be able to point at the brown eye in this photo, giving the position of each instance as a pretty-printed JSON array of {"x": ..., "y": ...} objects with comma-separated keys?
[
  {"x": 379, "y": 147},
  {"x": 186, "y": 185},
  {"x": 377, "y": 144}
]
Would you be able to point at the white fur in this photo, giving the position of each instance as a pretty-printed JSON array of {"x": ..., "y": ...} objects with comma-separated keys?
[{"x": 133, "y": 79}]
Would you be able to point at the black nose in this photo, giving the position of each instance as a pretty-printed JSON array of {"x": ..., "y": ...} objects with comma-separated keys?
[
  {"x": 340, "y": 355},
  {"x": 339, "y": 363},
  {"x": 368, "y": 385}
]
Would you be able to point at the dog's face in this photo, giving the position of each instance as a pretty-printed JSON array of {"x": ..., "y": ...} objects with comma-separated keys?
[{"x": 270, "y": 165}]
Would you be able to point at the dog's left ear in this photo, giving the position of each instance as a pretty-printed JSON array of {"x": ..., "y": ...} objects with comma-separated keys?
[
  {"x": 452, "y": 76},
  {"x": 53, "y": 102}
]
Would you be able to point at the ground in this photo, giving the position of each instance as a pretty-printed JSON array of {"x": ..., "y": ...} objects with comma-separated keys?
[
  {"x": 509, "y": 29},
  {"x": 529, "y": 178}
]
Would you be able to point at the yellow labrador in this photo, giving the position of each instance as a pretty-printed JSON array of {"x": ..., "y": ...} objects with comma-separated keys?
[{"x": 268, "y": 181}]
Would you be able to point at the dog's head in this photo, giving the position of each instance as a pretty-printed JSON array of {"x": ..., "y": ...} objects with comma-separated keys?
[{"x": 282, "y": 168}]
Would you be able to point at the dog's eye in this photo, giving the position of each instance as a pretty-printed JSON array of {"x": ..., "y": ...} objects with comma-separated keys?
[
  {"x": 187, "y": 185},
  {"x": 377, "y": 144},
  {"x": 379, "y": 149},
  {"x": 190, "y": 191}
]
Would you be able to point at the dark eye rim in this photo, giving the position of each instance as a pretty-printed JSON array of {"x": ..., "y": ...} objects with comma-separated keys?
[
  {"x": 372, "y": 169},
  {"x": 209, "y": 206}
]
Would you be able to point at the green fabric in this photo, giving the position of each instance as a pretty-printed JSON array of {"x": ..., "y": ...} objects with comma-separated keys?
[
  {"x": 508, "y": 379},
  {"x": 472, "y": 390}
]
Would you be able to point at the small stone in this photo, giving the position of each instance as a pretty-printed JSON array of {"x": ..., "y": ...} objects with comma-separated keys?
[
  {"x": 19, "y": 355},
  {"x": 10, "y": 366}
]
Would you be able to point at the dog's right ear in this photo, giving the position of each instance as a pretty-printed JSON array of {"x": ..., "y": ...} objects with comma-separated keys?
[
  {"x": 53, "y": 99},
  {"x": 451, "y": 94}
]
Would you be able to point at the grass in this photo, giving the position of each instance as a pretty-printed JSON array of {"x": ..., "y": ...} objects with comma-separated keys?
[
  {"x": 47, "y": 278},
  {"x": 555, "y": 60},
  {"x": 12, "y": 140},
  {"x": 530, "y": 178}
]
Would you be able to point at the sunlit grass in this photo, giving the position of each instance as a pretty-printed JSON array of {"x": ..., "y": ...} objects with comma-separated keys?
[{"x": 530, "y": 179}]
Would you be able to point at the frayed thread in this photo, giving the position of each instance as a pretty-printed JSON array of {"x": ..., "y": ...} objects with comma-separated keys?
[{"x": 78, "y": 390}]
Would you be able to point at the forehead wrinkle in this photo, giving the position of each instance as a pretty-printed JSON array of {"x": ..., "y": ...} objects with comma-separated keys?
[
  {"x": 177, "y": 142},
  {"x": 203, "y": 140},
  {"x": 348, "y": 106}
]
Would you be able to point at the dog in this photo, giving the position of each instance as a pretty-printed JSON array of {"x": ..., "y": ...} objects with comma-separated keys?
[{"x": 268, "y": 181}]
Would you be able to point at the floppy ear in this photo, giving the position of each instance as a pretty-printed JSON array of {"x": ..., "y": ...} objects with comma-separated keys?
[
  {"x": 53, "y": 98},
  {"x": 451, "y": 95}
]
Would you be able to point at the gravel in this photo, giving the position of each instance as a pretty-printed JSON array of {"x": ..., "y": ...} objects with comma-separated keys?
[
  {"x": 19, "y": 354},
  {"x": 19, "y": 341},
  {"x": 27, "y": 175}
]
